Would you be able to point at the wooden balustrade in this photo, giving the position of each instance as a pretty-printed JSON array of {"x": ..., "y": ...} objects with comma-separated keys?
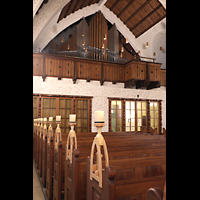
[{"x": 134, "y": 73}]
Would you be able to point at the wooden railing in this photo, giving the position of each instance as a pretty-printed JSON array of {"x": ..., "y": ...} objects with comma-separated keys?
[{"x": 138, "y": 73}]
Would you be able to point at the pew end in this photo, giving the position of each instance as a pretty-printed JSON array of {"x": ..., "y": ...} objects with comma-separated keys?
[{"x": 107, "y": 191}]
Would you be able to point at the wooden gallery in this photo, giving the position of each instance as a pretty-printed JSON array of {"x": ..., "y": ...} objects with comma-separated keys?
[{"x": 99, "y": 99}]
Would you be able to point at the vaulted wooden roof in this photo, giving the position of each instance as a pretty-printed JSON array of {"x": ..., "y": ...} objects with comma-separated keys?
[{"x": 137, "y": 15}]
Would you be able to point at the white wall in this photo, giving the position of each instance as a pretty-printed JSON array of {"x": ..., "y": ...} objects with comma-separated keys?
[{"x": 100, "y": 93}]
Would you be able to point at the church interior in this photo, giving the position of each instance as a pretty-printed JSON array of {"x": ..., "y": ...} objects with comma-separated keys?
[{"x": 99, "y": 99}]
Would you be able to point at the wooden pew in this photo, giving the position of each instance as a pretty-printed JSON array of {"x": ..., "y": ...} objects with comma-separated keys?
[
  {"x": 44, "y": 153},
  {"x": 133, "y": 145},
  {"x": 164, "y": 131},
  {"x": 37, "y": 144},
  {"x": 40, "y": 142},
  {"x": 59, "y": 158},
  {"x": 50, "y": 160},
  {"x": 50, "y": 168},
  {"x": 130, "y": 148},
  {"x": 75, "y": 172},
  {"x": 133, "y": 176},
  {"x": 155, "y": 194}
]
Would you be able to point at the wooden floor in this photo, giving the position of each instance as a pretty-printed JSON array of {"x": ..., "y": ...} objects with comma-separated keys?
[{"x": 37, "y": 191}]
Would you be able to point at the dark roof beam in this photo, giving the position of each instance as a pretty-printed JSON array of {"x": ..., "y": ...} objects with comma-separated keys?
[
  {"x": 116, "y": 2},
  {"x": 123, "y": 10},
  {"x": 151, "y": 25},
  {"x": 138, "y": 10},
  {"x": 153, "y": 11}
]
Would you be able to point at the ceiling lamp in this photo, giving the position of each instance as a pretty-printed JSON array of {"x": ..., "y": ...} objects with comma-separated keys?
[
  {"x": 104, "y": 37},
  {"x": 126, "y": 40},
  {"x": 147, "y": 44}
]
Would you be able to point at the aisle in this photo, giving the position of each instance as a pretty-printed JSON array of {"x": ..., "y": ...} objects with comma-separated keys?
[{"x": 37, "y": 191}]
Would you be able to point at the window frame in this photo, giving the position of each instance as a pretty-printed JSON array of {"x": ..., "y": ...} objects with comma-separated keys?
[
  {"x": 40, "y": 98},
  {"x": 147, "y": 127}
]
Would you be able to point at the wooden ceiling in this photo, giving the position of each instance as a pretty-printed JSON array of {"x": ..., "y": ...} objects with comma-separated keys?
[{"x": 137, "y": 15}]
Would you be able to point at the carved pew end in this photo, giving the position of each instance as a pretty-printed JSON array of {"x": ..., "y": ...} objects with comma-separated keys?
[{"x": 154, "y": 194}]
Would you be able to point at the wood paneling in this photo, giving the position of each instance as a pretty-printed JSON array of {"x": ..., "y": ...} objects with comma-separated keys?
[
  {"x": 37, "y": 64},
  {"x": 154, "y": 71},
  {"x": 163, "y": 77},
  {"x": 59, "y": 67},
  {"x": 135, "y": 70},
  {"x": 137, "y": 15},
  {"x": 88, "y": 70},
  {"x": 140, "y": 72},
  {"x": 113, "y": 72}
]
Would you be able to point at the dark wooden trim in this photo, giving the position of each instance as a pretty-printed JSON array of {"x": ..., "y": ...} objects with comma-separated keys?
[
  {"x": 123, "y": 10},
  {"x": 75, "y": 74},
  {"x": 44, "y": 69},
  {"x": 140, "y": 8},
  {"x": 116, "y": 2},
  {"x": 154, "y": 10},
  {"x": 151, "y": 26},
  {"x": 123, "y": 100}
]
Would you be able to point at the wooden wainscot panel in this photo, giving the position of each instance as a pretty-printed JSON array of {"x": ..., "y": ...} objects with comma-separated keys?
[
  {"x": 135, "y": 70},
  {"x": 135, "y": 74},
  {"x": 89, "y": 70},
  {"x": 163, "y": 77},
  {"x": 94, "y": 70},
  {"x": 38, "y": 64},
  {"x": 113, "y": 72},
  {"x": 153, "y": 75},
  {"x": 59, "y": 66},
  {"x": 52, "y": 66},
  {"x": 67, "y": 68},
  {"x": 154, "y": 71}
]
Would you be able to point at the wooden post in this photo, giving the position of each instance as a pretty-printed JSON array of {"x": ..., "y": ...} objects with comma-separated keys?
[
  {"x": 44, "y": 152},
  {"x": 50, "y": 162},
  {"x": 71, "y": 139},
  {"x": 96, "y": 169},
  {"x": 40, "y": 146}
]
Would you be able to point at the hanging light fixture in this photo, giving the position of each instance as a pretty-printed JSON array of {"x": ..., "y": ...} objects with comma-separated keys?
[
  {"x": 104, "y": 37},
  {"x": 126, "y": 40},
  {"x": 147, "y": 44},
  {"x": 160, "y": 48},
  {"x": 154, "y": 54}
]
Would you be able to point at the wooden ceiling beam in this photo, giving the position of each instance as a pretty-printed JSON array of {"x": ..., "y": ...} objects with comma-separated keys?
[
  {"x": 153, "y": 11},
  {"x": 69, "y": 7},
  {"x": 63, "y": 11},
  {"x": 76, "y": 6},
  {"x": 123, "y": 10},
  {"x": 138, "y": 10},
  {"x": 116, "y": 2},
  {"x": 155, "y": 22}
]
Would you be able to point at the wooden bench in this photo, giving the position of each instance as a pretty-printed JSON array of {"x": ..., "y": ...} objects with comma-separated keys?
[
  {"x": 133, "y": 176},
  {"x": 133, "y": 145},
  {"x": 59, "y": 158},
  {"x": 71, "y": 178},
  {"x": 50, "y": 168}
]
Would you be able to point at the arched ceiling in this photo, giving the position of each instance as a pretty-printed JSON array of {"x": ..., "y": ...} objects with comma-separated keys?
[{"x": 133, "y": 18}]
